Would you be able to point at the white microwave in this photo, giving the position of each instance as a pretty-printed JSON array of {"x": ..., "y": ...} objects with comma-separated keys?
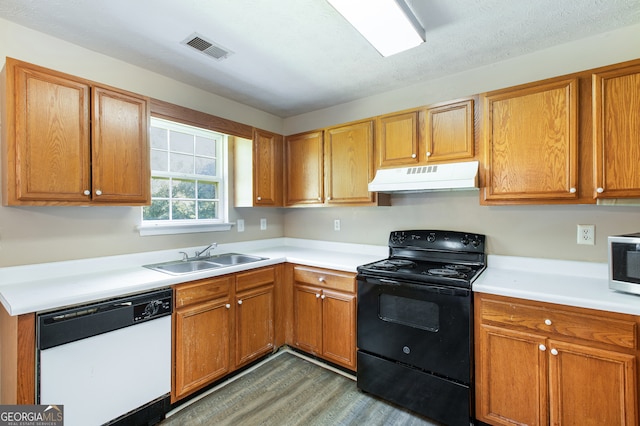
[{"x": 624, "y": 263}]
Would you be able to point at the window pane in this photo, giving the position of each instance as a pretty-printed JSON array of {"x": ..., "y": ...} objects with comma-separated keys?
[
  {"x": 159, "y": 138},
  {"x": 207, "y": 209},
  {"x": 158, "y": 210},
  {"x": 182, "y": 142},
  {"x": 181, "y": 163},
  {"x": 183, "y": 189},
  {"x": 205, "y": 146},
  {"x": 159, "y": 160},
  {"x": 207, "y": 190},
  {"x": 159, "y": 188},
  {"x": 205, "y": 166},
  {"x": 183, "y": 210}
]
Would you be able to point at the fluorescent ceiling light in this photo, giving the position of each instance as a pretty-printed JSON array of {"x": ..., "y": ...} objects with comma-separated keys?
[{"x": 389, "y": 25}]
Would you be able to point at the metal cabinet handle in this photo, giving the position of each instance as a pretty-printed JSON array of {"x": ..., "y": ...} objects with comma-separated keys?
[
  {"x": 554, "y": 351},
  {"x": 542, "y": 348},
  {"x": 87, "y": 192},
  {"x": 548, "y": 322}
]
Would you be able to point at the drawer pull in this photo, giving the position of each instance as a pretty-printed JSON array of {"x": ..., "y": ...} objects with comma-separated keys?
[
  {"x": 542, "y": 348},
  {"x": 228, "y": 306},
  {"x": 317, "y": 295},
  {"x": 548, "y": 322},
  {"x": 321, "y": 279},
  {"x": 239, "y": 302},
  {"x": 322, "y": 297},
  {"x": 554, "y": 351}
]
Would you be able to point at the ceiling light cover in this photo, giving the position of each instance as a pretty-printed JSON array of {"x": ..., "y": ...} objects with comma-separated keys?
[{"x": 389, "y": 25}]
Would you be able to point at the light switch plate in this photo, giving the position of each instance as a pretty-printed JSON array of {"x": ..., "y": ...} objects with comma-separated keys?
[
  {"x": 240, "y": 225},
  {"x": 263, "y": 224}
]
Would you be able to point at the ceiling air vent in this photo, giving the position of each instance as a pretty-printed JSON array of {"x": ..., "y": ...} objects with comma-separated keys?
[{"x": 209, "y": 48}]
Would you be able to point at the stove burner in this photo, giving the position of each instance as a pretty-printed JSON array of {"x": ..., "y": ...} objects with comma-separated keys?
[
  {"x": 445, "y": 272},
  {"x": 393, "y": 264},
  {"x": 459, "y": 268}
]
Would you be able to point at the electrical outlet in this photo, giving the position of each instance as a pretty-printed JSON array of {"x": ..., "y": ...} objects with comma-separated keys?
[
  {"x": 240, "y": 225},
  {"x": 587, "y": 234},
  {"x": 263, "y": 224},
  {"x": 336, "y": 224}
]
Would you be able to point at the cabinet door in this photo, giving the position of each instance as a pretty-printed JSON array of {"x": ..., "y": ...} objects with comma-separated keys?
[
  {"x": 511, "y": 384},
  {"x": 616, "y": 133},
  {"x": 339, "y": 328},
  {"x": 399, "y": 139},
  {"x": 531, "y": 143},
  {"x": 591, "y": 386},
  {"x": 307, "y": 321},
  {"x": 202, "y": 344},
  {"x": 254, "y": 323},
  {"x": 48, "y": 160},
  {"x": 120, "y": 148},
  {"x": 304, "y": 169},
  {"x": 267, "y": 166},
  {"x": 450, "y": 132},
  {"x": 349, "y": 163}
]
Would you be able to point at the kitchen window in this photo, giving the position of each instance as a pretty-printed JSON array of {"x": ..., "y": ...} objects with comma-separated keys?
[{"x": 188, "y": 180}]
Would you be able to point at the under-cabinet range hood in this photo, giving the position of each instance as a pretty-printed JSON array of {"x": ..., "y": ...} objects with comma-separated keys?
[{"x": 435, "y": 177}]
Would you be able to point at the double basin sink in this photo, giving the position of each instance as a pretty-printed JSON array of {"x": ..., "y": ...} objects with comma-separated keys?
[{"x": 199, "y": 264}]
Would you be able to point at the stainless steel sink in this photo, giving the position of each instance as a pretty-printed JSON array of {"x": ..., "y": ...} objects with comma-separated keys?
[{"x": 189, "y": 266}]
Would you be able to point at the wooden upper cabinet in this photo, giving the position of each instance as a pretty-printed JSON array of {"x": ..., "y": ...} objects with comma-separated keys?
[
  {"x": 349, "y": 163},
  {"x": 258, "y": 170},
  {"x": 616, "y": 132},
  {"x": 304, "y": 169},
  {"x": 120, "y": 147},
  {"x": 399, "y": 139},
  {"x": 69, "y": 141},
  {"x": 531, "y": 142},
  {"x": 450, "y": 132}
]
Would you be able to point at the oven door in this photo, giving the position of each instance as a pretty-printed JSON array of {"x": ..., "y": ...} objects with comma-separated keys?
[{"x": 424, "y": 326}]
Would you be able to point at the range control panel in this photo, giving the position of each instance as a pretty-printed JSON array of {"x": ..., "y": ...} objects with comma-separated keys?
[{"x": 438, "y": 240}]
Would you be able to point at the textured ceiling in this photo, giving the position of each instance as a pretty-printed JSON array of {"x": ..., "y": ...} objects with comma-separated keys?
[{"x": 296, "y": 56}]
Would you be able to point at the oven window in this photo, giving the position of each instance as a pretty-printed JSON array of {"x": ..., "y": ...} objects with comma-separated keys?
[{"x": 412, "y": 312}]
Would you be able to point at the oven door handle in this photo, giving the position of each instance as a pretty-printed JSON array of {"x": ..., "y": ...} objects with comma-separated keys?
[{"x": 431, "y": 288}]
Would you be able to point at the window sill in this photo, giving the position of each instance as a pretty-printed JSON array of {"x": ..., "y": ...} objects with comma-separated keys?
[{"x": 182, "y": 228}]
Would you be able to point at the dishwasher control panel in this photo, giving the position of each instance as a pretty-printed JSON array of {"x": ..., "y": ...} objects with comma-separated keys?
[{"x": 152, "y": 309}]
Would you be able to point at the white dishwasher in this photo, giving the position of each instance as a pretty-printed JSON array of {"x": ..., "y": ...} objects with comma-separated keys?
[{"x": 107, "y": 362}]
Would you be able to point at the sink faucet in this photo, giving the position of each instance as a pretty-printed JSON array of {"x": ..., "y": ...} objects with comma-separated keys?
[{"x": 206, "y": 250}]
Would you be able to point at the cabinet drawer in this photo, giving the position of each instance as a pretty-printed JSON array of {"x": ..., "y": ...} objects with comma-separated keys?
[
  {"x": 553, "y": 321},
  {"x": 200, "y": 291},
  {"x": 336, "y": 280},
  {"x": 255, "y": 278}
]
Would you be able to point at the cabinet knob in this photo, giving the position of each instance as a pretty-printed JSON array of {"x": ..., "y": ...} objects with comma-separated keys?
[
  {"x": 228, "y": 306},
  {"x": 317, "y": 295},
  {"x": 572, "y": 190},
  {"x": 428, "y": 154},
  {"x": 98, "y": 192},
  {"x": 319, "y": 198},
  {"x": 328, "y": 198},
  {"x": 413, "y": 156},
  {"x": 321, "y": 279},
  {"x": 322, "y": 297},
  {"x": 548, "y": 322},
  {"x": 554, "y": 351},
  {"x": 542, "y": 348},
  {"x": 87, "y": 192},
  {"x": 259, "y": 198},
  {"x": 239, "y": 302},
  {"x": 600, "y": 190}
]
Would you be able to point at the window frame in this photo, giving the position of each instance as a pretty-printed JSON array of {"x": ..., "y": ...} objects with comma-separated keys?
[{"x": 175, "y": 113}]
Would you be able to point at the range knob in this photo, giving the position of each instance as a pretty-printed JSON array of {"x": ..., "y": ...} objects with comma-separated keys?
[
  {"x": 465, "y": 240},
  {"x": 398, "y": 238},
  {"x": 475, "y": 242},
  {"x": 431, "y": 237}
]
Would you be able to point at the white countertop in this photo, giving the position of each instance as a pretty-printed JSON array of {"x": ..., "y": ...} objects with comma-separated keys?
[
  {"x": 581, "y": 284},
  {"x": 48, "y": 286}
]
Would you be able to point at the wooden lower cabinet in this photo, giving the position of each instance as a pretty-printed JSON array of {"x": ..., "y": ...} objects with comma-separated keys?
[
  {"x": 221, "y": 324},
  {"x": 540, "y": 364},
  {"x": 324, "y": 314}
]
